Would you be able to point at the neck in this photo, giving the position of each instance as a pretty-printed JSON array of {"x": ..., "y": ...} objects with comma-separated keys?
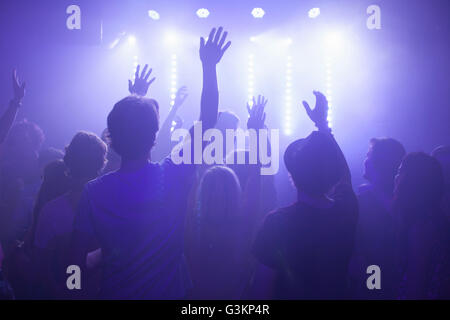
[
  {"x": 134, "y": 164},
  {"x": 317, "y": 201}
]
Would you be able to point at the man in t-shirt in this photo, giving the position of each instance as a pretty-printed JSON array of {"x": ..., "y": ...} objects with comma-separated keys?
[
  {"x": 136, "y": 213},
  {"x": 309, "y": 243}
]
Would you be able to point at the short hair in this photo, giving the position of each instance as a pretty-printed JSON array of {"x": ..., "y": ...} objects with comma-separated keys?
[
  {"x": 227, "y": 119},
  {"x": 132, "y": 124},
  {"x": 26, "y": 131},
  {"x": 313, "y": 164},
  {"x": 419, "y": 187},
  {"x": 386, "y": 155},
  {"x": 85, "y": 155}
]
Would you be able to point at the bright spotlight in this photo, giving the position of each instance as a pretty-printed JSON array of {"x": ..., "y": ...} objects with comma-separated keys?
[
  {"x": 334, "y": 41},
  {"x": 289, "y": 41},
  {"x": 153, "y": 14},
  {"x": 203, "y": 13},
  {"x": 314, "y": 13},
  {"x": 131, "y": 40},
  {"x": 258, "y": 13},
  {"x": 252, "y": 39},
  {"x": 170, "y": 38}
]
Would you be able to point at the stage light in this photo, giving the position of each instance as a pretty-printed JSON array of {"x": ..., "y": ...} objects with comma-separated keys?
[
  {"x": 258, "y": 13},
  {"x": 289, "y": 41},
  {"x": 131, "y": 40},
  {"x": 251, "y": 76},
  {"x": 334, "y": 41},
  {"x": 173, "y": 76},
  {"x": 170, "y": 38},
  {"x": 153, "y": 14},
  {"x": 314, "y": 13},
  {"x": 288, "y": 98},
  {"x": 203, "y": 13},
  {"x": 252, "y": 39}
]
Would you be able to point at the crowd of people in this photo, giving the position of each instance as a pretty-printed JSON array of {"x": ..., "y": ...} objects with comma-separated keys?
[{"x": 140, "y": 226}]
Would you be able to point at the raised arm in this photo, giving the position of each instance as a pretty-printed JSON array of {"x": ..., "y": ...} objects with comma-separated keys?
[
  {"x": 7, "y": 119},
  {"x": 211, "y": 52},
  {"x": 319, "y": 116},
  {"x": 163, "y": 142}
]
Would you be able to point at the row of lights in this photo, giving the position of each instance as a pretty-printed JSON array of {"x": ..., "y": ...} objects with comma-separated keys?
[
  {"x": 288, "y": 98},
  {"x": 257, "y": 13},
  {"x": 173, "y": 79},
  {"x": 203, "y": 13},
  {"x": 251, "y": 79},
  {"x": 329, "y": 92}
]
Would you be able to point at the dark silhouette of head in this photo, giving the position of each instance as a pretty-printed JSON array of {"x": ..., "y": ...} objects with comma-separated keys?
[
  {"x": 22, "y": 150},
  {"x": 219, "y": 196},
  {"x": 382, "y": 161},
  {"x": 313, "y": 164},
  {"x": 242, "y": 171},
  {"x": 442, "y": 154},
  {"x": 132, "y": 125},
  {"x": 227, "y": 120},
  {"x": 419, "y": 188},
  {"x": 85, "y": 156}
]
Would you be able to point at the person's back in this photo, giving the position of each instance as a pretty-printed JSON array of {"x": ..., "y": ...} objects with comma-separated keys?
[
  {"x": 376, "y": 229},
  {"x": 138, "y": 220},
  {"x": 309, "y": 244}
]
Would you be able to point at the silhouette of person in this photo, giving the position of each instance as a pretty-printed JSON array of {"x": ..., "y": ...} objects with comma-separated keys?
[{"x": 309, "y": 243}]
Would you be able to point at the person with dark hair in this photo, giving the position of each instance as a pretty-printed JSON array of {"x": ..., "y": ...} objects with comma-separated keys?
[
  {"x": 20, "y": 143},
  {"x": 84, "y": 159},
  {"x": 425, "y": 232},
  {"x": 442, "y": 154},
  {"x": 309, "y": 243},
  {"x": 376, "y": 230},
  {"x": 137, "y": 213},
  {"x": 222, "y": 227}
]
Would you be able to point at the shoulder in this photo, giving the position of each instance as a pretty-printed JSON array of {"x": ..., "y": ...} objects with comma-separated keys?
[{"x": 101, "y": 182}]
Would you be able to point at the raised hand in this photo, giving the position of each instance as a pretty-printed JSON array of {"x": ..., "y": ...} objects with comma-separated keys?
[
  {"x": 256, "y": 113},
  {"x": 320, "y": 113},
  {"x": 18, "y": 89},
  {"x": 141, "y": 83},
  {"x": 213, "y": 49},
  {"x": 180, "y": 97}
]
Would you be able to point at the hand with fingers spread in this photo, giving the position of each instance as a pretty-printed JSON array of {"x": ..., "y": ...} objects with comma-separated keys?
[
  {"x": 320, "y": 113},
  {"x": 180, "y": 97},
  {"x": 256, "y": 113},
  {"x": 18, "y": 89},
  {"x": 212, "y": 50},
  {"x": 141, "y": 83}
]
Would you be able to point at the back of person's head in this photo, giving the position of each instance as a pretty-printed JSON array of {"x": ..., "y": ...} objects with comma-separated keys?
[
  {"x": 383, "y": 159},
  {"x": 313, "y": 164},
  {"x": 132, "y": 125},
  {"x": 21, "y": 153},
  {"x": 419, "y": 187},
  {"x": 227, "y": 120},
  {"x": 85, "y": 155},
  {"x": 442, "y": 154},
  {"x": 25, "y": 134},
  {"x": 242, "y": 171},
  {"x": 219, "y": 197}
]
